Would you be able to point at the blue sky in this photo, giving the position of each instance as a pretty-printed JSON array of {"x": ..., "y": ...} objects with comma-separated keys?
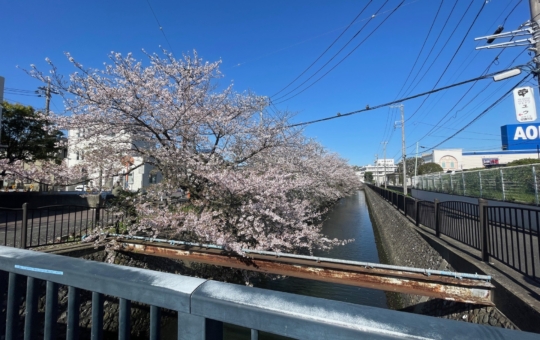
[{"x": 264, "y": 45}]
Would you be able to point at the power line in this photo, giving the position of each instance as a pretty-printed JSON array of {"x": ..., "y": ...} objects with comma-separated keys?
[
  {"x": 368, "y": 108},
  {"x": 309, "y": 39},
  {"x": 429, "y": 53},
  {"x": 437, "y": 126},
  {"x": 495, "y": 103},
  {"x": 22, "y": 94},
  {"x": 447, "y": 128},
  {"x": 455, "y": 53},
  {"x": 328, "y": 48},
  {"x": 421, "y": 49},
  {"x": 334, "y": 56},
  {"x": 159, "y": 24},
  {"x": 512, "y": 11},
  {"x": 343, "y": 59},
  {"x": 18, "y": 90},
  {"x": 388, "y": 124}
]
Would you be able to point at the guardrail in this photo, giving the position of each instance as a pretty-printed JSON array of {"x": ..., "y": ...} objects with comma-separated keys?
[
  {"x": 202, "y": 306},
  {"x": 33, "y": 227},
  {"x": 506, "y": 233}
]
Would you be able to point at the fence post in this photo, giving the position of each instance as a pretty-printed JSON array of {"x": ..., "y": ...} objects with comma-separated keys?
[
  {"x": 437, "y": 226},
  {"x": 440, "y": 180},
  {"x": 24, "y": 226},
  {"x": 502, "y": 183},
  {"x": 480, "y": 176},
  {"x": 483, "y": 220},
  {"x": 404, "y": 204},
  {"x": 97, "y": 216},
  {"x": 451, "y": 184},
  {"x": 535, "y": 185},
  {"x": 416, "y": 214},
  {"x": 463, "y": 180}
]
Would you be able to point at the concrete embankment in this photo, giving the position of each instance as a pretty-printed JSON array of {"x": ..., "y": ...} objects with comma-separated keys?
[{"x": 400, "y": 244}]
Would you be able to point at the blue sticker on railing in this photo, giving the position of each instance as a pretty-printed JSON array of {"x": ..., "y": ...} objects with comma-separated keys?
[{"x": 39, "y": 270}]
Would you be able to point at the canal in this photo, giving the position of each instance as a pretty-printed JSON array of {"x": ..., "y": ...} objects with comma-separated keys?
[{"x": 348, "y": 219}]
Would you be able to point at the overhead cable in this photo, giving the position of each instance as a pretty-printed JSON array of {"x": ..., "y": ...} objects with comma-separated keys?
[
  {"x": 495, "y": 103},
  {"x": 455, "y": 53},
  {"x": 334, "y": 56},
  {"x": 370, "y": 108},
  {"x": 343, "y": 59},
  {"x": 328, "y": 48},
  {"x": 159, "y": 25}
]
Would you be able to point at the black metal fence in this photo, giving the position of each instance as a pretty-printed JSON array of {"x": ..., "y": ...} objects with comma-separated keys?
[
  {"x": 33, "y": 227},
  {"x": 426, "y": 214},
  {"x": 506, "y": 233},
  {"x": 459, "y": 220},
  {"x": 513, "y": 238}
]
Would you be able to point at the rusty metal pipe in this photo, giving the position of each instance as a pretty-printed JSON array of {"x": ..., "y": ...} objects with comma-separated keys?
[
  {"x": 319, "y": 259},
  {"x": 443, "y": 287}
]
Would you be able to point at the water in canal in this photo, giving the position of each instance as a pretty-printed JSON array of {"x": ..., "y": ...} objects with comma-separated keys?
[{"x": 349, "y": 218}]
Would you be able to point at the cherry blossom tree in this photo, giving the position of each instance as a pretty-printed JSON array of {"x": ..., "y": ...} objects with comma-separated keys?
[{"x": 253, "y": 181}]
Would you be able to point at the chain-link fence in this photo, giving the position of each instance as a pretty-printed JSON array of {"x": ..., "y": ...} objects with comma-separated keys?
[{"x": 510, "y": 184}]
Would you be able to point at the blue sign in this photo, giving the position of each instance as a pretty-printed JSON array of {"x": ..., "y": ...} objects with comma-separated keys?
[{"x": 520, "y": 136}]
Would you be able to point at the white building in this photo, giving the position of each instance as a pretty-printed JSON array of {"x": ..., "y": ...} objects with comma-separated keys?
[
  {"x": 456, "y": 159},
  {"x": 139, "y": 178},
  {"x": 381, "y": 167}
]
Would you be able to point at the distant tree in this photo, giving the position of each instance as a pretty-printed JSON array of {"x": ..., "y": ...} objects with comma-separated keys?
[
  {"x": 26, "y": 134},
  {"x": 428, "y": 168},
  {"x": 410, "y": 165},
  {"x": 524, "y": 161},
  {"x": 368, "y": 176}
]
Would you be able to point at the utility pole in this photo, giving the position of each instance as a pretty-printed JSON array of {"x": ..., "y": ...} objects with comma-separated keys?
[
  {"x": 47, "y": 91},
  {"x": 384, "y": 161},
  {"x": 401, "y": 108},
  {"x": 416, "y": 165},
  {"x": 403, "y": 150},
  {"x": 377, "y": 169},
  {"x": 535, "y": 22}
]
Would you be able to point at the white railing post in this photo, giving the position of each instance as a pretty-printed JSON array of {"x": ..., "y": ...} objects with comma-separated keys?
[
  {"x": 463, "y": 180},
  {"x": 502, "y": 183},
  {"x": 535, "y": 185},
  {"x": 480, "y": 176}
]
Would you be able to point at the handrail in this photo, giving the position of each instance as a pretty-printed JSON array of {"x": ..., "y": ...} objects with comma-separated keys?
[{"x": 203, "y": 305}]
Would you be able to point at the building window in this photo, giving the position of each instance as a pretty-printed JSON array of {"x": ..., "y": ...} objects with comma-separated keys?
[
  {"x": 152, "y": 179},
  {"x": 448, "y": 162},
  {"x": 77, "y": 155}
]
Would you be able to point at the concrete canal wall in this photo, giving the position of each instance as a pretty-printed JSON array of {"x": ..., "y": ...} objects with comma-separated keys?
[{"x": 401, "y": 245}]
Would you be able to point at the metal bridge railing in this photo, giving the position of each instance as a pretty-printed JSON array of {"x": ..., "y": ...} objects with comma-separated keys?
[
  {"x": 52, "y": 224},
  {"x": 513, "y": 238},
  {"x": 202, "y": 306},
  {"x": 460, "y": 221},
  {"x": 506, "y": 233}
]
